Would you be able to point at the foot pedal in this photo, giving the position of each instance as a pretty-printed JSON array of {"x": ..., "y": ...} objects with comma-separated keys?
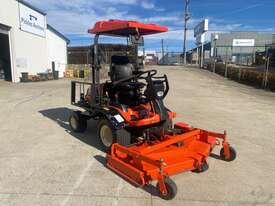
[{"x": 174, "y": 131}]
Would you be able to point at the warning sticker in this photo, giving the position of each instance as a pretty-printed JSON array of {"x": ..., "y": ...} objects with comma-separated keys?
[{"x": 119, "y": 118}]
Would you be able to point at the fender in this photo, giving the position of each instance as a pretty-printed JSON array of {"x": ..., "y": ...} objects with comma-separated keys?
[{"x": 115, "y": 119}]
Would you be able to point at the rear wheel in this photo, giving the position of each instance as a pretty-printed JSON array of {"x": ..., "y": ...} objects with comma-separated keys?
[
  {"x": 106, "y": 134},
  {"x": 78, "y": 122},
  {"x": 171, "y": 189}
]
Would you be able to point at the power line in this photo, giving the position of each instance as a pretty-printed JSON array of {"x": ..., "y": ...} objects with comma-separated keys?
[{"x": 162, "y": 50}]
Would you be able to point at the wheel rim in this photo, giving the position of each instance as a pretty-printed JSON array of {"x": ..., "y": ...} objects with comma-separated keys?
[
  {"x": 73, "y": 122},
  {"x": 106, "y": 136}
]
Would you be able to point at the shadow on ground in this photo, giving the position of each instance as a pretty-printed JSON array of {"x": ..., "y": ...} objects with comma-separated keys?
[
  {"x": 215, "y": 156},
  {"x": 61, "y": 116}
]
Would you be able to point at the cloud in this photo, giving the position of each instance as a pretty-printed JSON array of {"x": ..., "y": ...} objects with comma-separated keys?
[
  {"x": 86, "y": 5},
  {"x": 225, "y": 27},
  {"x": 173, "y": 35},
  {"x": 79, "y": 4},
  {"x": 158, "y": 19},
  {"x": 245, "y": 8},
  {"x": 75, "y": 17},
  {"x": 147, "y": 5}
]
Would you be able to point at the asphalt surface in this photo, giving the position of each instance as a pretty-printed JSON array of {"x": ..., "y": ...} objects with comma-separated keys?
[{"x": 43, "y": 163}]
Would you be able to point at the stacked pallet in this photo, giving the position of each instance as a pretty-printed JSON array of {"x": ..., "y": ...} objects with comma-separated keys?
[
  {"x": 69, "y": 73},
  {"x": 77, "y": 71}
]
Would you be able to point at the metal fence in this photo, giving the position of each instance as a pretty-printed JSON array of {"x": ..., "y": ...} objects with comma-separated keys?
[
  {"x": 84, "y": 55},
  {"x": 259, "y": 73},
  {"x": 84, "y": 71},
  {"x": 169, "y": 58},
  {"x": 246, "y": 56},
  {"x": 238, "y": 55},
  {"x": 264, "y": 78}
]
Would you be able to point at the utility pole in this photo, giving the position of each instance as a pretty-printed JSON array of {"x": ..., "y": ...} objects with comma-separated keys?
[
  {"x": 216, "y": 37},
  {"x": 143, "y": 57},
  {"x": 162, "y": 51},
  {"x": 186, "y": 18}
]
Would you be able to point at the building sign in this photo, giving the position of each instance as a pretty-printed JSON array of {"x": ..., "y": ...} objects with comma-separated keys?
[
  {"x": 201, "y": 28},
  {"x": 32, "y": 21},
  {"x": 200, "y": 39},
  {"x": 243, "y": 42}
]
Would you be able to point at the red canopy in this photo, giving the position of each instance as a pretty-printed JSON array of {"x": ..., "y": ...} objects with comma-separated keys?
[{"x": 125, "y": 28}]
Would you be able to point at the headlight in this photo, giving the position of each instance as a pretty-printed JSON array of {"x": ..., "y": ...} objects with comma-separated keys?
[{"x": 160, "y": 93}]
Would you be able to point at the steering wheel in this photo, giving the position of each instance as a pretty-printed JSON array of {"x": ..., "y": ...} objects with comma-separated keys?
[{"x": 150, "y": 73}]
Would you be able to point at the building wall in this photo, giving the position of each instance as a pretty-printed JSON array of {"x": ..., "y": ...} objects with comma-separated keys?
[
  {"x": 28, "y": 50},
  {"x": 56, "y": 52},
  {"x": 33, "y": 49},
  {"x": 240, "y": 54},
  {"x": 226, "y": 39},
  {"x": 225, "y": 42}
]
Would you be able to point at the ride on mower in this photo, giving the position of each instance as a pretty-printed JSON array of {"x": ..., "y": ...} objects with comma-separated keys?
[{"x": 134, "y": 125}]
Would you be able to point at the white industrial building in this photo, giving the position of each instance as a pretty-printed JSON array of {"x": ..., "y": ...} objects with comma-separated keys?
[{"x": 27, "y": 43}]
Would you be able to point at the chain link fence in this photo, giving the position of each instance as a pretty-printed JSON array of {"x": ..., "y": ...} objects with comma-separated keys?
[
  {"x": 80, "y": 59},
  {"x": 84, "y": 55},
  {"x": 260, "y": 72},
  {"x": 238, "y": 55}
]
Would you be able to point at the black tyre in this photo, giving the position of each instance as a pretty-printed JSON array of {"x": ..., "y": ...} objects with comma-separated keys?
[
  {"x": 171, "y": 189},
  {"x": 78, "y": 122},
  {"x": 106, "y": 134},
  {"x": 203, "y": 168},
  {"x": 233, "y": 154}
]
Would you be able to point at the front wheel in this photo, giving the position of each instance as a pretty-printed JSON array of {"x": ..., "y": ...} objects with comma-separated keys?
[
  {"x": 106, "y": 134},
  {"x": 171, "y": 189}
]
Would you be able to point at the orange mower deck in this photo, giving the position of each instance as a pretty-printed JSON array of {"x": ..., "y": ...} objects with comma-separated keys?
[{"x": 146, "y": 162}]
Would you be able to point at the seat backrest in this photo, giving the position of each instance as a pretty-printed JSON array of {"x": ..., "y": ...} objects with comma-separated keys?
[
  {"x": 120, "y": 68},
  {"x": 119, "y": 60}
]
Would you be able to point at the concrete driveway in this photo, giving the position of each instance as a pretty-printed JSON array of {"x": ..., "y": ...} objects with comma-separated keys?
[{"x": 43, "y": 163}]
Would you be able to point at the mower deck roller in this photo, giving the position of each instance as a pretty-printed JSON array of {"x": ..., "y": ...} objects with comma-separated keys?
[{"x": 142, "y": 163}]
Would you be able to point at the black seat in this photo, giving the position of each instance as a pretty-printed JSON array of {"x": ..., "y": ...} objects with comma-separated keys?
[
  {"x": 120, "y": 60},
  {"x": 120, "y": 68},
  {"x": 126, "y": 92}
]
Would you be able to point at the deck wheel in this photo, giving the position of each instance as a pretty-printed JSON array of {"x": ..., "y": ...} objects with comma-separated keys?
[
  {"x": 204, "y": 167},
  {"x": 78, "y": 122},
  {"x": 232, "y": 152},
  {"x": 171, "y": 189}
]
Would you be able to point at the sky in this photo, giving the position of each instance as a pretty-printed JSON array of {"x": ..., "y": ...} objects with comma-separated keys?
[{"x": 74, "y": 17}]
